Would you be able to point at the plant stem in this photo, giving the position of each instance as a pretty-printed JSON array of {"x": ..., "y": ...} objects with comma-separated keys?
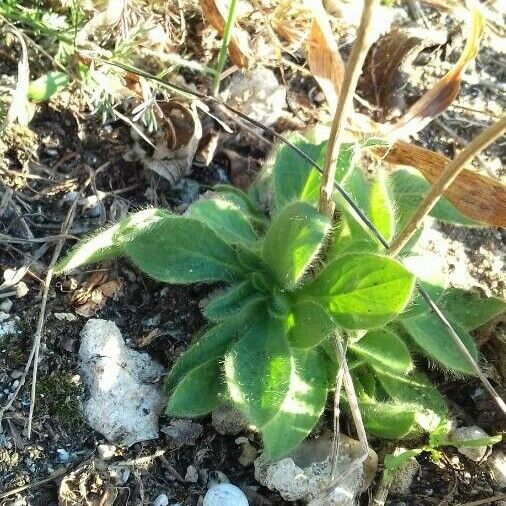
[
  {"x": 353, "y": 70},
  {"x": 449, "y": 174},
  {"x": 227, "y": 36}
]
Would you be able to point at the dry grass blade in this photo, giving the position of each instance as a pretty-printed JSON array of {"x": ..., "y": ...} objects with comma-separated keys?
[
  {"x": 478, "y": 197},
  {"x": 215, "y": 13},
  {"x": 19, "y": 108},
  {"x": 439, "y": 98},
  {"x": 323, "y": 57}
]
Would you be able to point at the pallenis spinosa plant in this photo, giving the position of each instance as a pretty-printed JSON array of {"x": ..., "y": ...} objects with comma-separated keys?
[{"x": 293, "y": 279}]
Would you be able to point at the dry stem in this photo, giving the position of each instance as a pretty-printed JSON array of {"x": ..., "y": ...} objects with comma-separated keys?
[
  {"x": 353, "y": 70},
  {"x": 451, "y": 171}
]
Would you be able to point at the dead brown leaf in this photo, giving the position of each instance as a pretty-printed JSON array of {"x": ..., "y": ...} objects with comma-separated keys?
[
  {"x": 478, "y": 197},
  {"x": 95, "y": 293},
  {"x": 215, "y": 12},
  {"x": 323, "y": 56},
  {"x": 437, "y": 99},
  {"x": 389, "y": 63}
]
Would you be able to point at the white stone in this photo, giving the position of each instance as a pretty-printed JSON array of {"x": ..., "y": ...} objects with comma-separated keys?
[
  {"x": 69, "y": 317},
  {"x": 192, "y": 475},
  {"x": 106, "y": 452},
  {"x": 466, "y": 434},
  {"x": 497, "y": 463},
  {"x": 258, "y": 94},
  {"x": 161, "y": 500},
  {"x": 6, "y": 305},
  {"x": 124, "y": 403},
  {"x": 225, "y": 495},
  {"x": 303, "y": 474},
  {"x": 404, "y": 475}
]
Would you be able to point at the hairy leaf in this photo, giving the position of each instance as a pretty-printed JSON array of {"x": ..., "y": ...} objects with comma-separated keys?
[
  {"x": 241, "y": 200},
  {"x": 199, "y": 392},
  {"x": 387, "y": 419},
  {"x": 470, "y": 309},
  {"x": 384, "y": 351},
  {"x": 183, "y": 250},
  {"x": 429, "y": 271},
  {"x": 293, "y": 240},
  {"x": 362, "y": 291},
  {"x": 224, "y": 218},
  {"x": 433, "y": 338},
  {"x": 309, "y": 323},
  {"x": 414, "y": 388},
  {"x": 231, "y": 302},
  {"x": 211, "y": 345},
  {"x": 302, "y": 406},
  {"x": 381, "y": 212},
  {"x": 409, "y": 189},
  {"x": 258, "y": 369},
  {"x": 110, "y": 242},
  {"x": 47, "y": 85}
]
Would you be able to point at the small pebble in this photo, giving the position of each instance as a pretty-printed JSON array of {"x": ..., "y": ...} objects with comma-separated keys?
[
  {"x": 6, "y": 305},
  {"x": 106, "y": 452},
  {"x": 192, "y": 475},
  {"x": 62, "y": 456},
  {"x": 225, "y": 495},
  {"x": 161, "y": 500}
]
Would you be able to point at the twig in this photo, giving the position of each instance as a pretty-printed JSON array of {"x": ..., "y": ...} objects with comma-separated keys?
[
  {"x": 353, "y": 70},
  {"x": 488, "y": 500},
  {"x": 453, "y": 169},
  {"x": 337, "y": 412},
  {"x": 17, "y": 490},
  {"x": 40, "y": 322},
  {"x": 227, "y": 36}
]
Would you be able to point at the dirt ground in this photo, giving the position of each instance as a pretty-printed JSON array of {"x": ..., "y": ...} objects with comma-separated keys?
[{"x": 63, "y": 144}]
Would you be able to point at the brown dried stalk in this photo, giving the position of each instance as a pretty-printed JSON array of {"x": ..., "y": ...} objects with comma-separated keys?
[
  {"x": 353, "y": 69},
  {"x": 452, "y": 170}
]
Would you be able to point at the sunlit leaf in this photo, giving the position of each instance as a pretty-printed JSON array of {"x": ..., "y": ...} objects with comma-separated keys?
[
  {"x": 224, "y": 218},
  {"x": 362, "y": 291},
  {"x": 258, "y": 369},
  {"x": 435, "y": 341},
  {"x": 384, "y": 351},
  {"x": 302, "y": 407},
  {"x": 293, "y": 240},
  {"x": 309, "y": 323},
  {"x": 47, "y": 85},
  {"x": 470, "y": 309},
  {"x": 183, "y": 250}
]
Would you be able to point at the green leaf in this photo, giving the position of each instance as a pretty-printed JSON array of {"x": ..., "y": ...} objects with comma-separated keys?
[
  {"x": 294, "y": 177},
  {"x": 381, "y": 212},
  {"x": 308, "y": 324},
  {"x": 302, "y": 406},
  {"x": 199, "y": 392},
  {"x": 183, "y": 250},
  {"x": 297, "y": 179},
  {"x": 365, "y": 379},
  {"x": 415, "y": 388},
  {"x": 224, "y": 218},
  {"x": 470, "y": 309},
  {"x": 241, "y": 200},
  {"x": 355, "y": 235},
  {"x": 293, "y": 240},
  {"x": 409, "y": 189},
  {"x": 433, "y": 338},
  {"x": 47, "y": 85},
  {"x": 387, "y": 419},
  {"x": 258, "y": 369},
  {"x": 394, "y": 462},
  {"x": 429, "y": 271},
  {"x": 362, "y": 291},
  {"x": 473, "y": 443},
  {"x": 231, "y": 302},
  {"x": 110, "y": 242},
  {"x": 384, "y": 351},
  {"x": 211, "y": 345}
]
